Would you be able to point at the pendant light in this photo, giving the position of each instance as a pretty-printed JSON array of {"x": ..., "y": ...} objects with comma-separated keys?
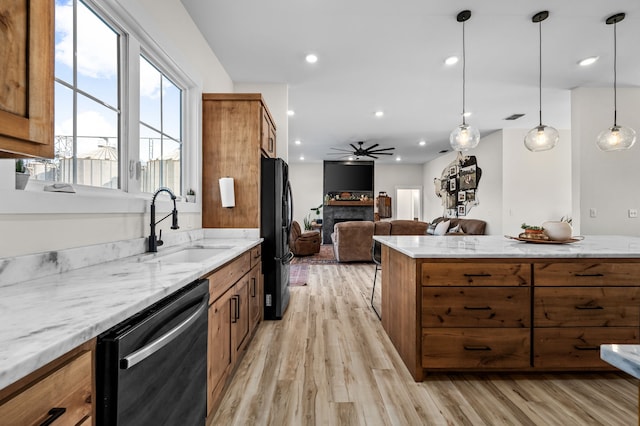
[
  {"x": 541, "y": 137},
  {"x": 616, "y": 138},
  {"x": 464, "y": 137}
]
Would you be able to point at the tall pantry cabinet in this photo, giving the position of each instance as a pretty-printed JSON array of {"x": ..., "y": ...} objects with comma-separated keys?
[{"x": 237, "y": 130}]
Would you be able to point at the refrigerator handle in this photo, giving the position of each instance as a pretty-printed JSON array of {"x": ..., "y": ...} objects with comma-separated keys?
[
  {"x": 286, "y": 259},
  {"x": 289, "y": 203}
]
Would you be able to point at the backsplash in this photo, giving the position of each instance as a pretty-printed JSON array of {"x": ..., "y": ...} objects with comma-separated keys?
[{"x": 38, "y": 265}]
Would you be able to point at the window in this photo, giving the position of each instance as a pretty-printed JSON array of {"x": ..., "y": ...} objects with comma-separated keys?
[
  {"x": 160, "y": 130},
  {"x": 87, "y": 111}
]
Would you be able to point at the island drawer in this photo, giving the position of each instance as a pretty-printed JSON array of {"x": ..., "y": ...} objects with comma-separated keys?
[
  {"x": 478, "y": 348},
  {"x": 476, "y": 274},
  {"x": 576, "y": 348},
  {"x": 587, "y": 274},
  {"x": 476, "y": 307},
  {"x": 586, "y": 307},
  {"x": 224, "y": 277}
]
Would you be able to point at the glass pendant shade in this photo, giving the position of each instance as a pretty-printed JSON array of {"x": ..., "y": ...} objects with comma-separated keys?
[
  {"x": 541, "y": 138},
  {"x": 616, "y": 138},
  {"x": 464, "y": 137}
]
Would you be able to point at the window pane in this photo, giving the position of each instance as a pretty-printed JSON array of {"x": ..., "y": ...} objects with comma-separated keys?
[
  {"x": 97, "y": 144},
  {"x": 150, "y": 100},
  {"x": 171, "y": 166},
  {"x": 171, "y": 109},
  {"x": 97, "y": 57},
  {"x": 64, "y": 40},
  {"x": 151, "y": 159}
]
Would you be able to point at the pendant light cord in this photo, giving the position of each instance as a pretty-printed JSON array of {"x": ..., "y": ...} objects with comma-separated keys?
[
  {"x": 464, "y": 69},
  {"x": 615, "y": 75},
  {"x": 540, "y": 72}
]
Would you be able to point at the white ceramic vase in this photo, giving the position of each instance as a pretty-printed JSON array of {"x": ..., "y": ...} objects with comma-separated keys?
[{"x": 557, "y": 230}]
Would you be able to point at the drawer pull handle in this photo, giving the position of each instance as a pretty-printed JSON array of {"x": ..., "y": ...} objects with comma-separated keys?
[
  {"x": 54, "y": 414},
  {"x": 586, "y": 347},
  {"x": 477, "y": 275},
  {"x": 476, "y": 348},
  {"x": 478, "y": 308},
  {"x": 588, "y": 307},
  {"x": 589, "y": 275}
]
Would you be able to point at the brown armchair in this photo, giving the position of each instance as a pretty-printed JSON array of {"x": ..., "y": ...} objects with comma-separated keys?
[{"x": 304, "y": 243}]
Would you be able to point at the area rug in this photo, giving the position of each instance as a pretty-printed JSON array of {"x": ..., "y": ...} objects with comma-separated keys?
[
  {"x": 324, "y": 257},
  {"x": 298, "y": 275}
]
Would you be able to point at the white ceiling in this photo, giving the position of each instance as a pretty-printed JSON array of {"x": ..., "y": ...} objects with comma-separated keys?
[{"x": 385, "y": 55}]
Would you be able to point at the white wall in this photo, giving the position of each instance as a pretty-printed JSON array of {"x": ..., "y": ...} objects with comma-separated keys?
[
  {"x": 607, "y": 181},
  {"x": 32, "y": 221},
  {"x": 536, "y": 185},
  {"x": 306, "y": 185},
  {"x": 277, "y": 98},
  {"x": 390, "y": 176}
]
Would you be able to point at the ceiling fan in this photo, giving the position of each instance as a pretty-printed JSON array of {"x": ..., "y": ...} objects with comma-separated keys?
[{"x": 360, "y": 151}]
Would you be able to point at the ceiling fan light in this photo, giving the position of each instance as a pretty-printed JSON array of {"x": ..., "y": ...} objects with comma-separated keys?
[
  {"x": 464, "y": 137},
  {"x": 541, "y": 138},
  {"x": 616, "y": 138}
]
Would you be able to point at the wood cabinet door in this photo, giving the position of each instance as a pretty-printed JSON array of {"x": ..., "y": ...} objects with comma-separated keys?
[
  {"x": 26, "y": 78},
  {"x": 240, "y": 315},
  {"x": 255, "y": 294},
  {"x": 268, "y": 136},
  {"x": 219, "y": 353}
]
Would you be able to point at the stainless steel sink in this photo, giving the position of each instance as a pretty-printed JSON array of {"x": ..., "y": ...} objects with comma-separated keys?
[{"x": 189, "y": 255}]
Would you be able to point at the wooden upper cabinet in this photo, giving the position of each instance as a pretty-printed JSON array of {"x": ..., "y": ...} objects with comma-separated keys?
[
  {"x": 26, "y": 78},
  {"x": 234, "y": 129}
]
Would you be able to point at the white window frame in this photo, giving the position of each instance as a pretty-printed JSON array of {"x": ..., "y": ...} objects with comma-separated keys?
[{"x": 134, "y": 40}]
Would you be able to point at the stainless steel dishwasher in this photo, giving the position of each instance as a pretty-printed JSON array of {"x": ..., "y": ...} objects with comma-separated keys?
[{"x": 152, "y": 368}]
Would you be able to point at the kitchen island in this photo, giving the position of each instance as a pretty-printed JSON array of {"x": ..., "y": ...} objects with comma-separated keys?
[{"x": 488, "y": 303}]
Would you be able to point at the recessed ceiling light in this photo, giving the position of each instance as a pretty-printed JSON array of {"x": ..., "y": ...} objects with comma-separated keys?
[
  {"x": 451, "y": 60},
  {"x": 297, "y": 142},
  {"x": 311, "y": 58},
  {"x": 422, "y": 143},
  {"x": 302, "y": 157},
  {"x": 379, "y": 113},
  {"x": 467, "y": 114},
  {"x": 291, "y": 112},
  {"x": 398, "y": 159},
  {"x": 588, "y": 61},
  {"x": 350, "y": 158}
]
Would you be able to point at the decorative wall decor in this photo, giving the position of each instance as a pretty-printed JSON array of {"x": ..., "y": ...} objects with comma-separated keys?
[{"x": 458, "y": 186}]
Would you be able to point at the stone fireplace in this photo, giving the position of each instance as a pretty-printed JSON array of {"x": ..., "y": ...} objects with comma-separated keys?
[{"x": 332, "y": 214}]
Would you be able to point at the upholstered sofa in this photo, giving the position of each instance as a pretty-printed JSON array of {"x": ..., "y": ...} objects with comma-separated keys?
[{"x": 352, "y": 241}]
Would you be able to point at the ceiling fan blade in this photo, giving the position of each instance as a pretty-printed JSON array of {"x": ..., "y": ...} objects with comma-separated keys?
[
  {"x": 372, "y": 146},
  {"x": 381, "y": 149},
  {"x": 372, "y": 156},
  {"x": 340, "y": 149},
  {"x": 383, "y": 153},
  {"x": 354, "y": 147}
]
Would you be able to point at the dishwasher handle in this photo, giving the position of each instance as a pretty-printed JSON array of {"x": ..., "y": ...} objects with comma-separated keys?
[{"x": 153, "y": 347}]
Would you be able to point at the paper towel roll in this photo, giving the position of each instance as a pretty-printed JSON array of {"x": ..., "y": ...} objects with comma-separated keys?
[{"x": 227, "y": 194}]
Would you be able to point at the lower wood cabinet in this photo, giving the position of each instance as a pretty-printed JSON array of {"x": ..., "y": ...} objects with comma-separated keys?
[
  {"x": 235, "y": 307},
  {"x": 60, "y": 392}
]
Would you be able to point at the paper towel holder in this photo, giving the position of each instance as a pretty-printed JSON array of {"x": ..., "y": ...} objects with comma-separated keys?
[{"x": 227, "y": 193}]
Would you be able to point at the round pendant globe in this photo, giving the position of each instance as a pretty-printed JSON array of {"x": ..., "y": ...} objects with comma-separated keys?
[
  {"x": 541, "y": 138},
  {"x": 616, "y": 138},
  {"x": 464, "y": 138}
]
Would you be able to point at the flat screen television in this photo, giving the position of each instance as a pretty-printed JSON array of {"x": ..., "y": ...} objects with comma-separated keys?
[{"x": 348, "y": 176}]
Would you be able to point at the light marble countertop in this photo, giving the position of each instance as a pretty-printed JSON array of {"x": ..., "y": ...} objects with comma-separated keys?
[
  {"x": 493, "y": 246},
  {"x": 624, "y": 357},
  {"x": 45, "y": 317}
]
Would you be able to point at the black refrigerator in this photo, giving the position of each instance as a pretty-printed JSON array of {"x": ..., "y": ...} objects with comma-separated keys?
[{"x": 276, "y": 216}]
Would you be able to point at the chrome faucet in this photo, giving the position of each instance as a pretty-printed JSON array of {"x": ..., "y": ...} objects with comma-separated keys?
[{"x": 153, "y": 241}]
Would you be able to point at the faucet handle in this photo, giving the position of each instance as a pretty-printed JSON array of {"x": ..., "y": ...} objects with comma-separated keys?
[{"x": 159, "y": 242}]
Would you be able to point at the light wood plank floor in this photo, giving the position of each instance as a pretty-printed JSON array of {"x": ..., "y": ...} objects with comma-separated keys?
[{"x": 329, "y": 362}]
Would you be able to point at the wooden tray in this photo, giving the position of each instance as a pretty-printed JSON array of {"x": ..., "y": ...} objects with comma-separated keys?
[{"x": 531, "y": 240}]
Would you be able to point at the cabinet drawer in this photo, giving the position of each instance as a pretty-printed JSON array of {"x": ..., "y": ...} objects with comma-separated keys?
[
  {"x": 587, "y": 274},
  {"x": 256, "y": 254},
  {"x": 575, "y": 348},
  {"x": 224, "y": 277},
  {"x": 586, "y": 306},
  {"x": 68, "y": 388},
  {"x": 476, "y": 274},
  {"x": 476, "y": 307},
  {"x": 481, "y": 348}
]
